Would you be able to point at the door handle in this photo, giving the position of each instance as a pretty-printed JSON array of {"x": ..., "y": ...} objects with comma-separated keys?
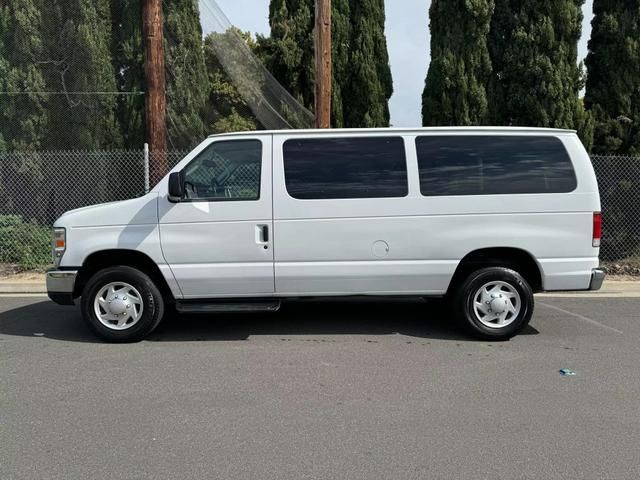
[{"x": 262, "y": 235}]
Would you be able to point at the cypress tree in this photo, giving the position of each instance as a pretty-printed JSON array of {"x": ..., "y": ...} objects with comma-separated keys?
[
  {"x": 370, "y": 84},
  {"x": 456, "y": 86},
  {"x": 23, "y": 114},
  {"x": 127, "y": 54},
  {"x": 362, "y": 83},
  {"x": 186, "y": 73},
  {"x": 186, "y": 77},
  {"x": 23, "y": 111},
  {"x": 289, "y": 52},
  {"x": 341, "y": 47},
  {"x": 77, "y": 54},
  {"x": 613, "y": 84},
  {"x": 534, "y": 50}
]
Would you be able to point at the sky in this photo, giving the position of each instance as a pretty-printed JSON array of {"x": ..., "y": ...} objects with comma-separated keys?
[{"x": 407, "y": 39}]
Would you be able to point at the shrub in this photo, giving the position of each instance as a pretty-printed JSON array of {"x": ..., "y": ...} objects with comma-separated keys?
[{"x": 26, "y": 244}]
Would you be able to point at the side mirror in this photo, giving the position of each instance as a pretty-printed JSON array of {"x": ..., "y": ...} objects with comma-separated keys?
[{"x": 176, "y": 187}]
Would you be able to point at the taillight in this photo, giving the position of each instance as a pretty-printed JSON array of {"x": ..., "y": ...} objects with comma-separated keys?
[{"x": 597, "y": 228}]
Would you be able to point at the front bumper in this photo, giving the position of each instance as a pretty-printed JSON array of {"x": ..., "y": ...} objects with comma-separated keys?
[
  {"x": 60, "y": 285},
  {"x": 597, "y": 277}
]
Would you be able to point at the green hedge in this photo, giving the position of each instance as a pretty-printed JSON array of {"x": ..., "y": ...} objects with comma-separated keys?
[{"x": 25, "y": 244}]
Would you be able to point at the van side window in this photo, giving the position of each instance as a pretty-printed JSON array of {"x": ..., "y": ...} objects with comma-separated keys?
[
  {"x": 225, "y": 170},
  {"x": 493, "y": 165},
  {"x": 332, "y": 168}
]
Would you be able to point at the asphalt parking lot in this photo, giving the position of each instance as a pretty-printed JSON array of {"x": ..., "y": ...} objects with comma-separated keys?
[{"x": 322, "y": 390}]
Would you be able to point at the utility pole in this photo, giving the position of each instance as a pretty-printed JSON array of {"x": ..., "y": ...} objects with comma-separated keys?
[
  {"x": 155, "y": 104},
  {"x": 323, "y": 63}
]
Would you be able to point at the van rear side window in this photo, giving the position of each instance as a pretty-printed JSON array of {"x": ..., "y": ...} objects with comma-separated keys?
[
  {"x": 493, "y": 165},
  {"x": 333, "y": 168}
]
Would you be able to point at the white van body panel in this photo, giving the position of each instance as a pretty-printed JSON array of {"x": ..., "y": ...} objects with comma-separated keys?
[
  {"x": 214, "y": 247},
  {"x": 126, "y": 225},
  {"x": 344, "y": 259},
  {"x": 326, "y": 247},
  {"x": 389, "y": 246}
]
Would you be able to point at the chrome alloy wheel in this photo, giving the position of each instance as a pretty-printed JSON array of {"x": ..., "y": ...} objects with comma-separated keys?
[
  {"x": 497, "y": 304},
  {"x": 118, "y": 306}
]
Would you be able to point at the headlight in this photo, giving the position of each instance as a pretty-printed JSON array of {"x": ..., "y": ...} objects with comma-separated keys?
[{"x": 59, "y": 244}]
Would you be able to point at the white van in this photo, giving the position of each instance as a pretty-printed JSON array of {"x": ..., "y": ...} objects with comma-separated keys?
[{"x": 485, "y": 217}]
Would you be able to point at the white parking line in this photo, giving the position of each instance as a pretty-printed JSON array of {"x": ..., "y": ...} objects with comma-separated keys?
[
  {"x": 589, "y": 295},
  {"x": 581, "y": 317}
]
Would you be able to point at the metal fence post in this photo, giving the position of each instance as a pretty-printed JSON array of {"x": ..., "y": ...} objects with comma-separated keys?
[{"x": 146, "y": 168}]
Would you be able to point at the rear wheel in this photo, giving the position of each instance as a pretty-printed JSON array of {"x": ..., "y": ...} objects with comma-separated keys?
[
  {"x": 122, "y": 304},
  {"x": 494, "y": 303}
]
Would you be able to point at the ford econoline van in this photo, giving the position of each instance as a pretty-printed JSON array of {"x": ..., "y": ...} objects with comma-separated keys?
[{"x": 484, "y": 217}]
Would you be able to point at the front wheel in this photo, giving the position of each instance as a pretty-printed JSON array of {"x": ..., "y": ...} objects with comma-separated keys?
[
  {"x": 122, "y": 304},
  {"x": 494, "y": 303}
]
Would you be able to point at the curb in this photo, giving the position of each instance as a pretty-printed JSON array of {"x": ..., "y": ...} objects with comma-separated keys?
[{"x": 23, "y": 288}]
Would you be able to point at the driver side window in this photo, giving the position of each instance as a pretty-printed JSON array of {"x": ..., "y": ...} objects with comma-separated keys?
[{"x": 225, "y": 170}]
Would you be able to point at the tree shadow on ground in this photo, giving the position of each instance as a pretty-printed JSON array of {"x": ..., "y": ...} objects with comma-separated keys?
[{"x": 413, "y": 318}]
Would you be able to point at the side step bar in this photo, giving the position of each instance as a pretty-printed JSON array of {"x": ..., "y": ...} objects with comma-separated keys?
[{"x": 227, "y": 306}]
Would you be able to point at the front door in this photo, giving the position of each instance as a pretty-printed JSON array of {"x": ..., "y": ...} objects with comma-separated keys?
[{"x": 218, "y": 240}]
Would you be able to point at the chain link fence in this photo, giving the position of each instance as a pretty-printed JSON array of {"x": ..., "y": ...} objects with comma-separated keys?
[
  {"x": 619, "y": 182},
  {"x": 37, "y": 187}
]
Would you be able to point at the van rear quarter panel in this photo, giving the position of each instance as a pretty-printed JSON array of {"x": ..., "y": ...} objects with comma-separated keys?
[{"x": 332, "y": 247}]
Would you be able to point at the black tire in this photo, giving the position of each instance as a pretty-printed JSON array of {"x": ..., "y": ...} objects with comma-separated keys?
[
  {"x": 464, "y": 299},
  {"x": 152, "y": 300}
]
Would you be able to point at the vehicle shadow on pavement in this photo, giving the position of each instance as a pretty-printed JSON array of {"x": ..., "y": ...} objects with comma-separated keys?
[
  {"x": 413, "y": 318},
  {"x": 46, "y": 319}
]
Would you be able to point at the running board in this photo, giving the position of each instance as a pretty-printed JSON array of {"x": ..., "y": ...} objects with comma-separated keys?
[{"x": 227, "y": 307}]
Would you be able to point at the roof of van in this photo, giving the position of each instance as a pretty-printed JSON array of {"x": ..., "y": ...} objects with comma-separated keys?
[{"x": 548, "y": 131}]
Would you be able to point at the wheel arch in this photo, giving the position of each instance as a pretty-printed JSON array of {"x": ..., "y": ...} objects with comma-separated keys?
[
  {"x": 130, "y": 258},
  {"x": 509, "y": 257}
]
